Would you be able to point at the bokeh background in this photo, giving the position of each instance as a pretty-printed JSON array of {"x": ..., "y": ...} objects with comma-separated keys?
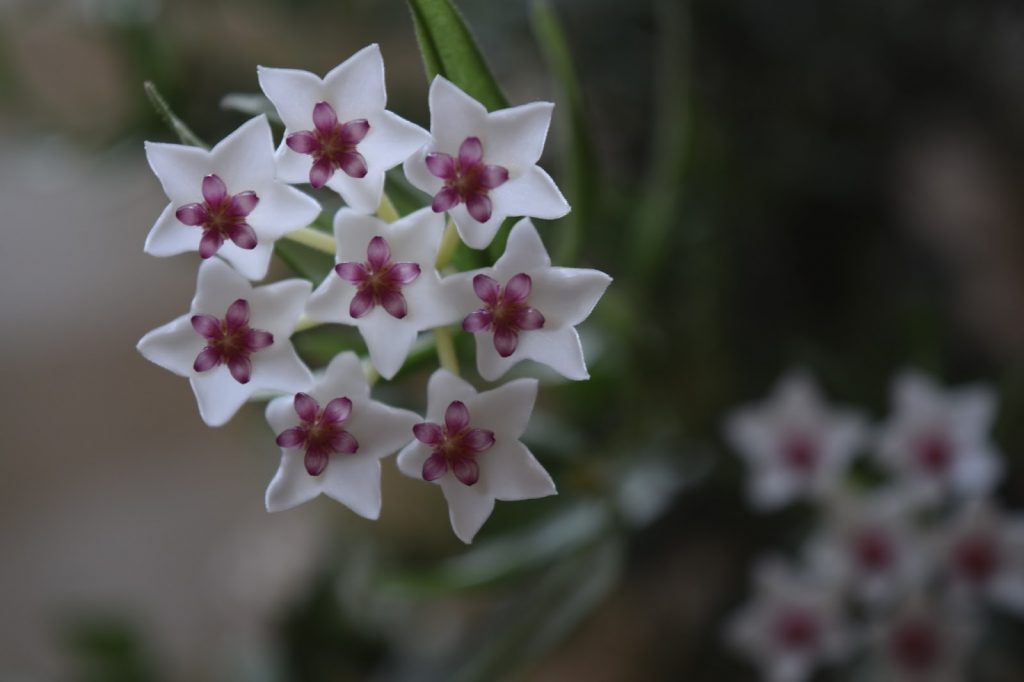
[{"x": 831, "y": 185}]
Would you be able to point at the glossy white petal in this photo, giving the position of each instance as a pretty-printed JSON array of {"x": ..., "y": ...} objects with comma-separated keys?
[
  {"x": 357, "y": 84},
  {"x": 506, "y": 409},
  {"x": 531, "y": 193},
  {"x": 454, "y": 116},
  {"x": 517, "y": 134},
  {"x": 179, "y": 169},
  {"x": 170, "y": 236},
  {"x": 468, "y": 506},
  {"x": 174, "y": 346},
  {"x": 391, "y": 141},
  {"x": 281, "y": 210},
  {"x": 218, "y": 395},
  {"x": 513, "y": 473},
  {"x": 293, "y": 93},
  {"x": 245, "y": 158},
  {"x": 291, "y": 485},
  {"x": 474, "y": 234},
  {"x": 361, "y": 194}
]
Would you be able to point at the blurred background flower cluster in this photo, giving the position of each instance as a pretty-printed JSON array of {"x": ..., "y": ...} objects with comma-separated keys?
[{"x": 834, "y": 186}]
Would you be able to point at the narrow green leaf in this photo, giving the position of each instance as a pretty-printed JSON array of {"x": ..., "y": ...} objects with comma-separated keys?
[
  {"x": 252, "y": 104},
  {"x": 172, "y": 121},
  {"x": 449, "y": 50}
]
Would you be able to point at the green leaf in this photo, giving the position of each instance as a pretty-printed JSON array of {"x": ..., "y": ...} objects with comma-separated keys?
[
  {"x": 252, "y": 104},
  {"x": 304, "y": 261},
  {"x": 449, "y": 50},
  {"x": 172, "y": 121}
]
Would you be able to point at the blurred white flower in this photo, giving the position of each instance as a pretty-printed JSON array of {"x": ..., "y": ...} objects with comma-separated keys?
[
  {"x": 524, "y": 309},
  {"x": 937, "y": 441},
  {"x": 793, "y": 625},
  {"x": 469, "y": 445},
  {"x": 385, "y": 283},
  {"x": 482, "y": 167},
  {"x": 337, "y": 131},
  {"x": 925, "y": 640},
  {"x": 794, "y": 444},
  {"x": 332, "y": 439},
  {"x": 226, "y": 201},
  {"x": 234, "y": 341}
]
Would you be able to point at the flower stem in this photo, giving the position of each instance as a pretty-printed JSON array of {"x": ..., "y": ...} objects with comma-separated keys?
[
  {"x": 449, "y": 242},
  {"x": 305, "y": 323},
  {"x": 372, "y": 376},
  {"x": 314, "y": 239},
  {"x": 387, "y": 211},
  {"x": 446, "y": 350}
]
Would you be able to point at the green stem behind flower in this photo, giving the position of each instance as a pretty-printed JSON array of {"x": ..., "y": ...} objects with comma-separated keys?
[
  {"x": 314, "y": 239},
  {"x": 446, "y": 350},
  {"x": 387, "y": 211},
  {"x": 449, "y": 243}
]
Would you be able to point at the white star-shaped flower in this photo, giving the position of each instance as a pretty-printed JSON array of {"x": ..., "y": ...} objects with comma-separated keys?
[
  {"x": 983, "y": 552},
  {"x": 332, "y": 439},
  {"x": 794, "y": 444},
  {"x": 925, "y": 640},
  {"x": 337, "y": 131},
  {"x": 937, "y": 441},
  {"x": 385, "y": 283},
  {"x": 469, "y": 445},
  {"x": 524, "y": 309},
  {"x": 791, "y": 626},
  {"x": 226, "y": 201},
  {"x": 234, "y": 341},
  {"x": 482, "y": 167}
]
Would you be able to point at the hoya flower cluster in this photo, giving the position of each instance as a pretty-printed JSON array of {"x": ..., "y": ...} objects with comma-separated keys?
[
  {"x": 898, "y": 579},
  {"x": 231, "y": 203}
]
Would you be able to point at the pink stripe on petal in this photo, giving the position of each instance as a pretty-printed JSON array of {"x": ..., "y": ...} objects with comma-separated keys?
[
  {"x": 243, "y": 236},
  {"x": 214, "y": 190},
  {"x": 208, "y": 327},
  {"x": 518, "y": 288},
  {"x": 456, "y": 417},
  {"x": 353, "y": 132},
  {"x": 207, "y": 359},
  {"x": 435, "y": 467},
  {"x": 487, "y": 289},
  {"x": 476, "y": 321},
  {"x": 445, "y": 200},
  {"x": 493, "y": 176},
  {"x": 478, "y": 440},
  {"x": 192, "y": 215},
  {"x": 324, "y": 117},
  {"x": 529, "y": 318},
  {"x": 306, "y": 407},
  {"x": 353, "y": 164},
  {"x": 337, "y": 411},
  {"x": 479, "y": 206},
  {"x": 505, "y": 341},
  {"x": 257, "y": 339},
  {"x": 404, "y": 273},
  {"x": 471, "y": 152},
  {"x": 428, "y": 433},
  {"x": 238, "y": 314},
  {"x": 320, "y": 173},
  {"x": 316, "y": 461},
  {"x": 394, "y": 303},
  {"x": 344, "y": 442},
  {"x": 361, "y": 304},
  {"x": 466, "y": 470},
  {"x": 240, "y": 368},
  {"x": 292, "y": 438},
  {"x": 378, "y": 253},
  {"x": 210, "y": 243},
  {"x": 302, "y": 143},
  {"x": 441, "y": 165},
  {"x": 242, "y": 204},
  {"x": 353, "y": 273}
]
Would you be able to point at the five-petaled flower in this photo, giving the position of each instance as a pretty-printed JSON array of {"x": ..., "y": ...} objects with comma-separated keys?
[
  {"x": 226, "y": 201},
  {"x": 228, "y": 360},
  {"x": 937, "y": 441},
  {"x": 393, "y": 295},
  {"x": 476, "y": 457},
  {"x": 923, "y": 640},
  {"x": 531, "y": 317},
  {"x": 335, "y": 450},
  {"x": 482, "y": 167},
  {"x": 337, "y": 131},
  {"x": 794, "y": 444}
]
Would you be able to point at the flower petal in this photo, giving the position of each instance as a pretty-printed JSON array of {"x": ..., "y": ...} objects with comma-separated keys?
[
  {"x": 354, "y": 131},
  {"x": 257, "y": 339},
  {"x": 388, "y": 339},
  {"x": 456, "y": 417},
  {"x": 466, "y": 470},
  {"x": 355, "y": 483},
  {"x": 291, "y": 485},
  {"x": 529, "y": 319},
  {"x": 244, "y": 160},
  {"x": 179, "y": 169},
  {"x": 362, "y": 303},
  {"x": 192, "y": 214},
  {"x": 506, "y": 409},
  {"x": 353, "y": 164},
  {"x": 337, "y": 411},
  {"x": 441, "y": 165},
  {"x": 238, "y": 314},
  {"x": 517, "y": 134},
  {"x": 471, "y": 152},
  {"x": 173, "y": 346},
  {"x": 518, "y": 288},
  {"x": 454, "y": 115},
  {"x": 479, "y": 207},
  {"x": 169, "y": 236},
  {"x": 357, "y": 84},
  {"x": 303, "y": 142},
  {"x": 524, "y": 250},
  {"x": 505, "y": 341},
  {"x": 487, "y": 289},
  {"x": 351, "y": 272},
  {"x": 392, "y": 141},
  {"x": 493, "y": 176},
  {"x": 435, "y": 467},
  {"x": 214, "y": 190},
  {"x": 292, "y": 438},
  {"x": 477, "y": 321},
  {"x": 394, "y": 303},
  {"x": 320, "y": 173},
  {"x": 378, "y": 253},
  {"x": 533, "y": 193},
  {"x": 444, "y": 200},
  {"x": 293, "y": 92},
  {"x": 306, "y": 407},
  {"x": 344, "y": 443},
  {"x": 243, "y": 203},
  {"x": 207, "y": 359},
  {"x": 324, "y": 118},
  {"x": 282, "y": 209},
  {"x": 218, "y": 395},
  {"x": 316, "y": 461},
  {"x": 478, "y": 440},
  {"x": 207, "y": 326},
  {"x": 468, "y": 507},
  {"x": 428, "y": 433},
  {"x": 280, "y": 369},
  {"x": 513, "y": 473},
  {"x": 567, "y": 296},
  {"x": 243, "y": 236},
  {"x": 559, "y": 349},
  {"x": 210, "y": 243},
  {"x": 360, "y": 193},
  {"x": 404, "y": 273},
  {"x": 241, "y": 369}
]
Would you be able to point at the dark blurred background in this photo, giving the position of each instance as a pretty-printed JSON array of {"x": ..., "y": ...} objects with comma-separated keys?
[{"x": 832, "y": 185}]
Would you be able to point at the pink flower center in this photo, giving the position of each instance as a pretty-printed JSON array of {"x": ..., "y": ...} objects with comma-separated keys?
[
  {"x": 797, "y": 628},
  {"x": 976, "y": 558},
  {"x": 915, "y": 645},
  {"x": 454, "y": 446},
  {"x": 378, "y": 281},
  {"x": 467, "y": 179},
  {"x": 331, "y": 144},
  {"x": 505, "y": 311},
  {"x": 800, "y": 453},
  {"x": 873, "y": 550},
  {"x": 933, "y": 453},
  {"x": 230, "y": 341},
  {"x": 221, "y": 216},
  {"x": 321, "y": 432}
]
